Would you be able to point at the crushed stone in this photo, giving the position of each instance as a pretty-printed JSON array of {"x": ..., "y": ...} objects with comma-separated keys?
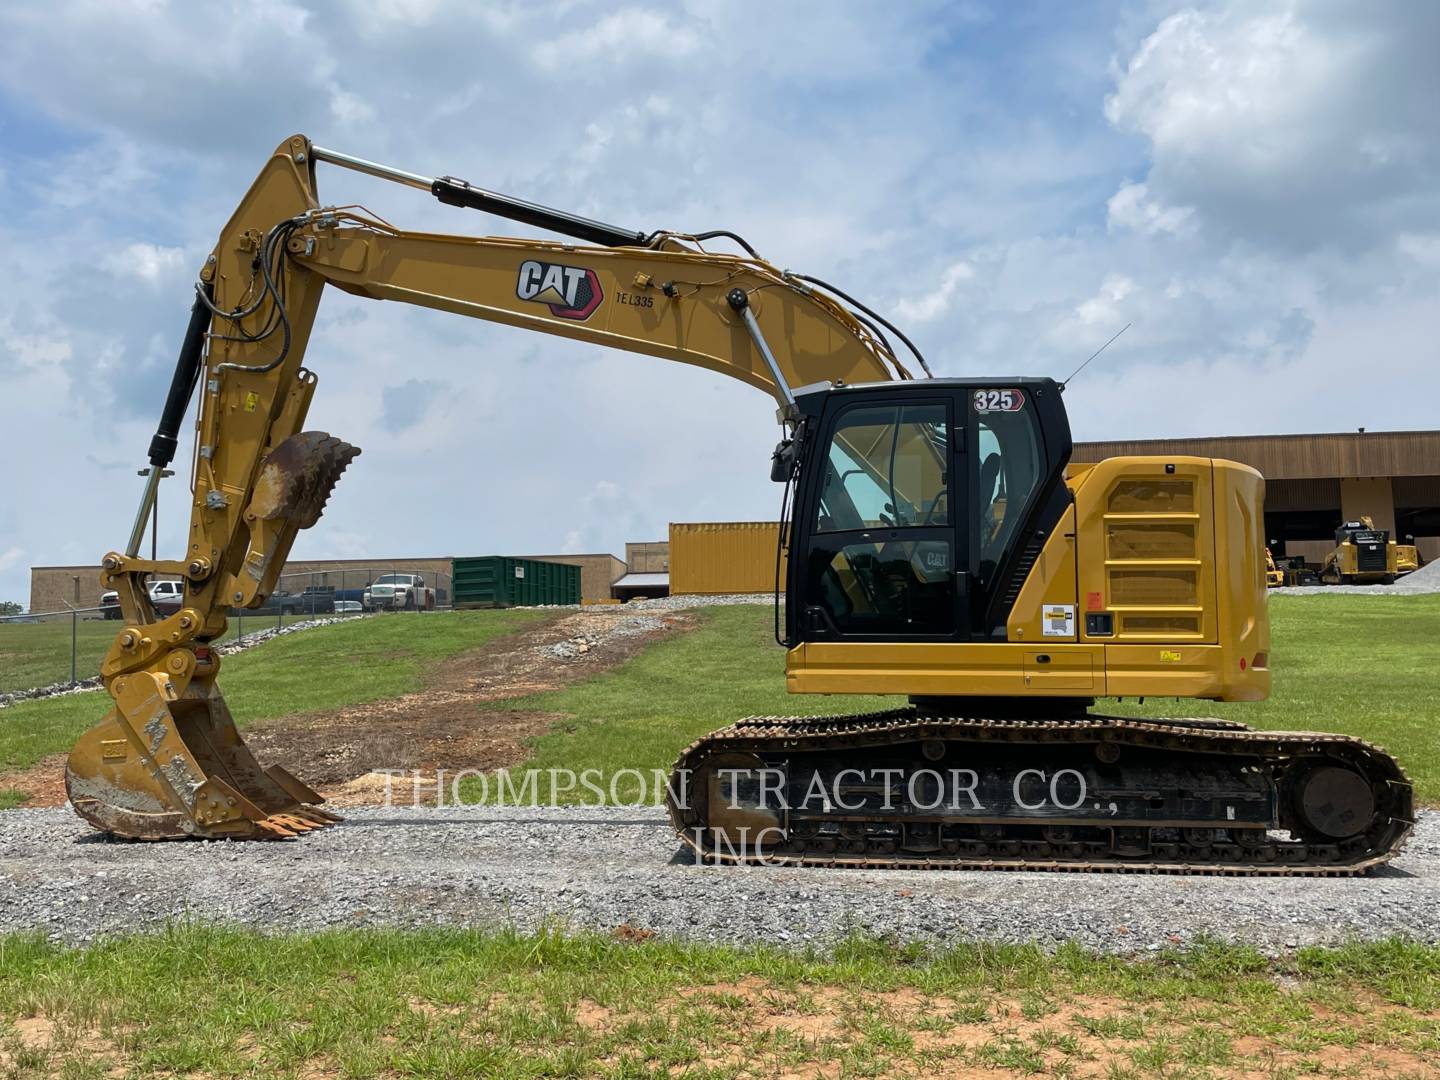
[{"x": 599, "y": 868}]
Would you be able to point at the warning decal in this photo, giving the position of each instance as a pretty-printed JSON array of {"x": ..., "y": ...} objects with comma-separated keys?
[{"x": 1059, "y": 620}]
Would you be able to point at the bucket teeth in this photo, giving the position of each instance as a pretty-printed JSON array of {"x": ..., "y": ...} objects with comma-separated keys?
[
  {"x": 297, "y": 477},
  {"x": 318, "y": 817},
  {"x": 293, "y": 823}
]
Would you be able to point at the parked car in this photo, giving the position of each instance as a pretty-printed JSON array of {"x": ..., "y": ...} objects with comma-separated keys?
[
  {"x": 390, "y": 591},
  {"x": 348, "y": 607},
  {"x": 318, "y": 600},
  {"x": 166, "y": 597},
  {"x": 280, "y": 602}
]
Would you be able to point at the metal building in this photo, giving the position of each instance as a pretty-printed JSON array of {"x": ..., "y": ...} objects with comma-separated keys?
[{"x": 1313, "y": 483}]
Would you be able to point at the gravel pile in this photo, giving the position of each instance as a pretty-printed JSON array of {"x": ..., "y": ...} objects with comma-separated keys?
[
  {"x": 1409, "y": 585},
  {"x": 249, "y": 641},
  {"x": 601, "y": 868},
  {"x": 59, "y": 689},
  {"x": 621, "y": 626},
  {"x": 677, "y": 603}
]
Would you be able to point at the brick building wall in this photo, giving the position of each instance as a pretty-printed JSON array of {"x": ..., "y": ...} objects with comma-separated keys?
[{"x": 52, "y": 587}]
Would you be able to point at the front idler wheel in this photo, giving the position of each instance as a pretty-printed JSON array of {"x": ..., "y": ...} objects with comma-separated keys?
[{"x": 736, "y": 801}]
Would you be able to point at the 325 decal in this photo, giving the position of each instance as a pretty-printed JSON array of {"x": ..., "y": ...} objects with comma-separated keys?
[{"x": 993, "y": 401}]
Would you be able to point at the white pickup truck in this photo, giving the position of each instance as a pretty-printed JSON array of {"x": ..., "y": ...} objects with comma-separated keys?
[
  {"x": 390, "y": 591},
  {"x": 165, "y": 596}
]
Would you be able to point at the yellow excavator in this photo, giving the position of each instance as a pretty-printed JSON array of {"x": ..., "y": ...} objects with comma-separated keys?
[{"x": 940, "y": 546}]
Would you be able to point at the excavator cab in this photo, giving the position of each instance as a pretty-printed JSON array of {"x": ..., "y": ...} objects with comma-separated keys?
[{"x": 917, "y": 504}]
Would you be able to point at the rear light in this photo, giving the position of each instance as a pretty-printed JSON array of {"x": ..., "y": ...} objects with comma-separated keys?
[{"x": 202, "y": 652}]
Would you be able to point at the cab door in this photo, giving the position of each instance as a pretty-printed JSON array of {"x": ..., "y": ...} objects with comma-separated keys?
[{"x": 880, "y": 538}]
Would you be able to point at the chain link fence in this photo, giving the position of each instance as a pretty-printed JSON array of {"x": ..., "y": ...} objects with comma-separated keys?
[{"x": 50, "y": 648}]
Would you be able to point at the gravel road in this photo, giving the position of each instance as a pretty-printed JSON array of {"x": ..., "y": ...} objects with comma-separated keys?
[
  {"x": 600, "y": 868},
  {"x": 1422, "y": 582}
]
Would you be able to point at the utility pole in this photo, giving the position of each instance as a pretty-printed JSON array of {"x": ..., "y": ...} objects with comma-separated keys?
[{"x": 155, "y": 508}]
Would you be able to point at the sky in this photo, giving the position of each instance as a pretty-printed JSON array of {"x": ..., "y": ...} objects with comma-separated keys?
[{"x": 1255, "y": 188}]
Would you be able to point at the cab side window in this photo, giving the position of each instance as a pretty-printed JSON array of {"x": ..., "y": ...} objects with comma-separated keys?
[{"x": 1007, "y": 471}]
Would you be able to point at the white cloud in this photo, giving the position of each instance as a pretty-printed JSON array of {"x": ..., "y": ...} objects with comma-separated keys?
[
  {"x": 1424, "y": 248},
  {"x": 350, "y": 110},
  {"x": 1106, "y": 307},
  {"x": 1295, "y": 124},
  {"x": 632, "y": 32},
  {"x": 148, "y": 262},
  {"x": 1210, "y": 77},
  {"x": 931, "y": 305},
  {"x": 1131, "y": 208},
  {"x": 34, "y": 351}
]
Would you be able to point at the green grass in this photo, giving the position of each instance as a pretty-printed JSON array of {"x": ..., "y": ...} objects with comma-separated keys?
[
  {"x": 38, "y": 654},
  {"x": 642, "y": 714},
  {"x": 470, "y": 1003},
  {"x": 1360, "y": 665},
  {"x": 344, "y": 664}
]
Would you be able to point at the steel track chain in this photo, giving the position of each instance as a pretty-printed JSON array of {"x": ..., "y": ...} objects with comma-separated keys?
[{"x": 858, "y": 731}]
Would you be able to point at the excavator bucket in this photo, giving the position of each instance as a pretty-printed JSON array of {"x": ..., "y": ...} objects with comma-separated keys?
[
  {"x": 167, "y": 762},
  {"x": 158, "y": 768}
]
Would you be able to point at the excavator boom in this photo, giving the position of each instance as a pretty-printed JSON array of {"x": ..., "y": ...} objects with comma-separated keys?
[{"x": 168, "y": 761}]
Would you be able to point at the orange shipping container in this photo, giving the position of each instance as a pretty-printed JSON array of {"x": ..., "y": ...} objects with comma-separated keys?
[{"x": 715, "y": 557}]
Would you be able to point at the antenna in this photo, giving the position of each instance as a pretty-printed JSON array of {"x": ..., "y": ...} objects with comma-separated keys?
[{"x": 1096, "y": 353}]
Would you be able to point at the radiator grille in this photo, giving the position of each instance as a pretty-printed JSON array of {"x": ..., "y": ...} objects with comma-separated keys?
[{"x": 1370, "y": 557}]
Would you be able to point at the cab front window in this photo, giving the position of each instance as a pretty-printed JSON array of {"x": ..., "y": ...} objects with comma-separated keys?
[{"x": 881, "y": 558}]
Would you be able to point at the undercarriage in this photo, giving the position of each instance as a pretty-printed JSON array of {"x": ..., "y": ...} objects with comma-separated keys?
[{"x": 916, "y": 789}]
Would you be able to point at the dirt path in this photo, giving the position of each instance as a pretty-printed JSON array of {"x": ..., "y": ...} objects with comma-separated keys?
[{"x": 439, "y": 726}]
